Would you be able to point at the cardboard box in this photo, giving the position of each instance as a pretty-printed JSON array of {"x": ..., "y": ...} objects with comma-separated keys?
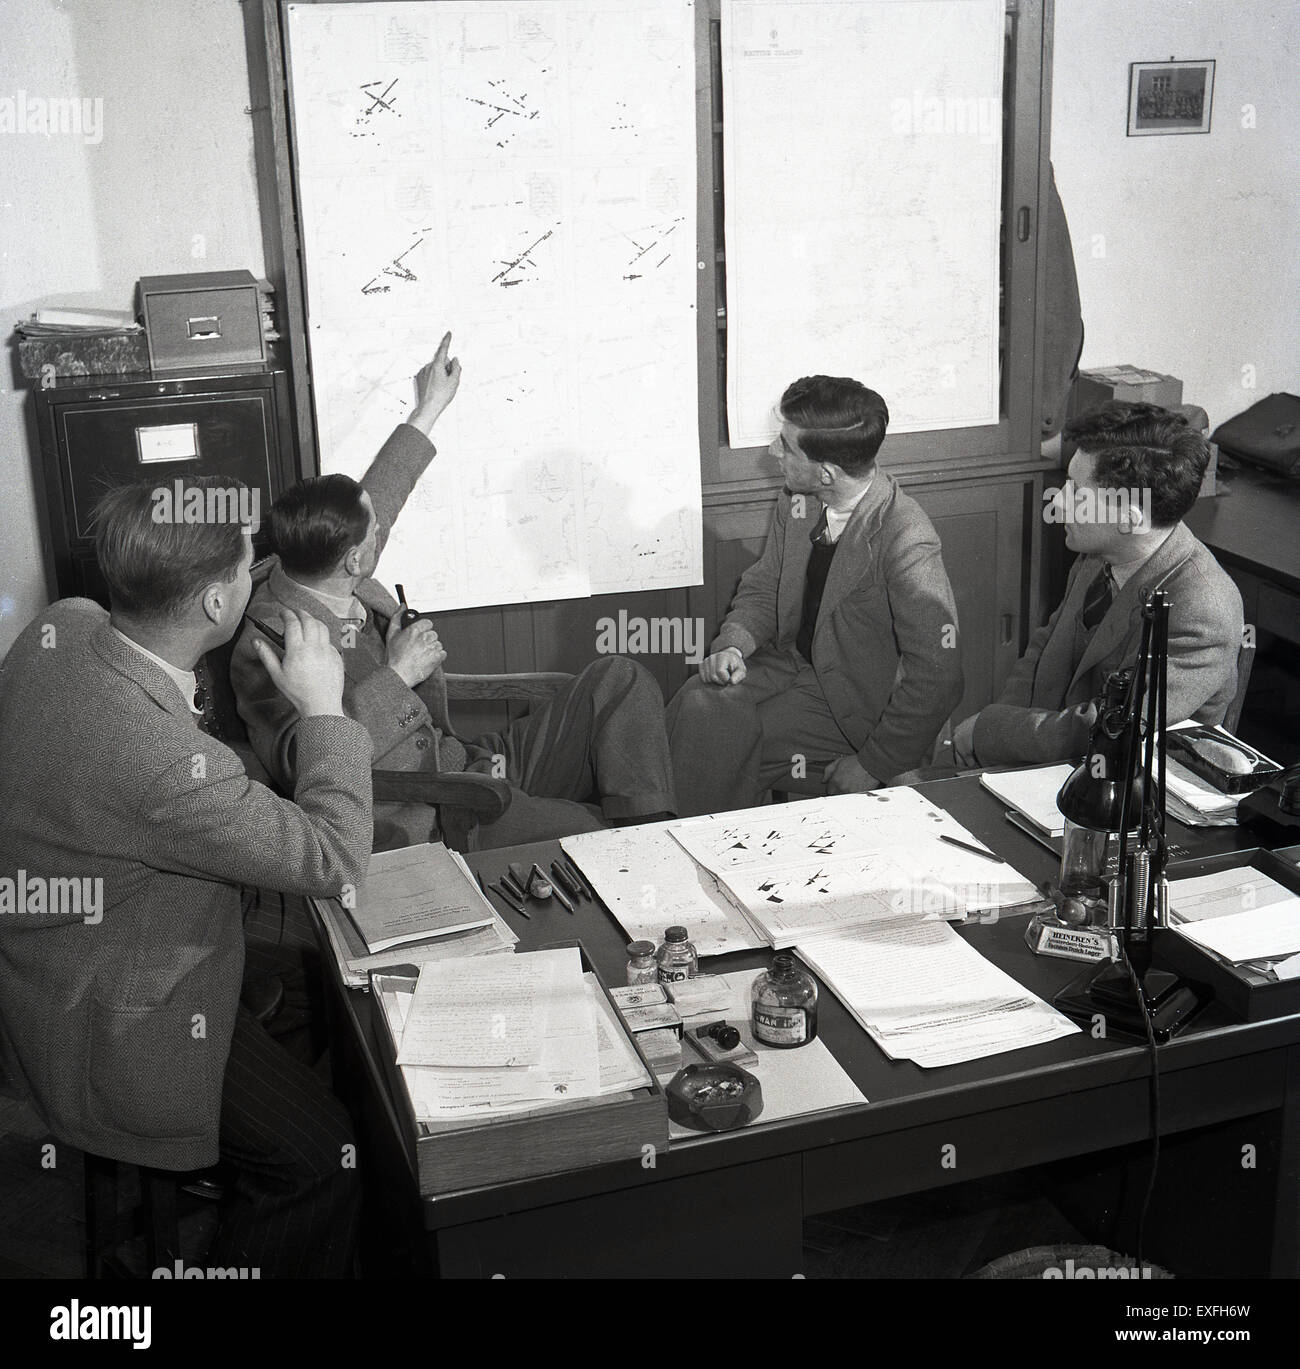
[{"x": 1132, "y": 383}]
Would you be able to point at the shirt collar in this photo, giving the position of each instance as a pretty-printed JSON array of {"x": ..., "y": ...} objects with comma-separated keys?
[
  {"x": 837, "y": 520},
  {"x": 340, "y": 605},
  {"x": 184, "y": 680}
]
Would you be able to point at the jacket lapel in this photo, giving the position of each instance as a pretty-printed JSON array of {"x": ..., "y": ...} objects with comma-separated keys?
[
  {"x": 1123, "y": 619},
  {"x": 794, "y": 567},
  {"x": 853, "y": 553},
  {"x": 111, "y": 649}
]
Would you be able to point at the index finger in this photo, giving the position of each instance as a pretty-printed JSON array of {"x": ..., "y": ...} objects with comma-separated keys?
[
  {"x": 293, "y": 634},
  {"x": 443, "y": 348}
]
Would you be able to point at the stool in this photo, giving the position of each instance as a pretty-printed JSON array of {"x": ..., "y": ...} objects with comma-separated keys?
[{"x": 107, "y": 1226}]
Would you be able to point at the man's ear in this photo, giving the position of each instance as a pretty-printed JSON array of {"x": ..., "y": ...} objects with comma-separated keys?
[
  {"x": 352, "y": 561},
  {"x": 217, "y": 599}
]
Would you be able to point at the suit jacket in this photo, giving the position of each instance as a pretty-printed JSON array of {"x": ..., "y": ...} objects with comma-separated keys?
[
  {"x": 1045, "y": 712},
  {"x": 121, "y": 1028},
  {"x": 885, "y": 649},
  {"x": 410, "y": 728}
]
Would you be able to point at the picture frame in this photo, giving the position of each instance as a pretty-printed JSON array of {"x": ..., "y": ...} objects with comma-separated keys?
[{"x": 1169, "y": 97}]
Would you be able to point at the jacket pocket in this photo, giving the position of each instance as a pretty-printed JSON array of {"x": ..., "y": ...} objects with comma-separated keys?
[{"x": 149, "y": 1074}]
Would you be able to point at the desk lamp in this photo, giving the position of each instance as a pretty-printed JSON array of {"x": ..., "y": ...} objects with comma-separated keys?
[
  {"x": 1132, "y": 997},
  {"x": 1081, "y": 925}
]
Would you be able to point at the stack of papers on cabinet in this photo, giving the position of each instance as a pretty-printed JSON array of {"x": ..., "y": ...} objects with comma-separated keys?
[
  {"x": 923, "y": 994},
  {"x": 800, "y": 869},
  {"x": 1196, "y": 802}
]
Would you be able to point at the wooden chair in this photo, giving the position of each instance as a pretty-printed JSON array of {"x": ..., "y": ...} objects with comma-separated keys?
[{"x": 463, "y": 801}]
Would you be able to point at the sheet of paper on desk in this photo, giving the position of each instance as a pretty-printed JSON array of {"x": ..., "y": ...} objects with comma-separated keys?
[
  {"x": 574, "y": 1064},
  {"x": 415, "y": 893},
  {"x": 892, "y": 835},
  {"x": 925, "y": 994},
  {"x": 1240, "y": 914},
  {"x": 649, "y": 882},
  {"x": 790, "y": 902},
  {"x": 489, "y": 1010}
]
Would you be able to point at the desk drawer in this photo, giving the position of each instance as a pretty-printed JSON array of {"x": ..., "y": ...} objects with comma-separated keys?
[{"x": 1279, "y": 612}]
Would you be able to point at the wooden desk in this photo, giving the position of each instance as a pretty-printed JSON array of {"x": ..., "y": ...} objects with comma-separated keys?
[
  {"x": 735, "y": 1204},
  {"x": 1250, "y": 525}
]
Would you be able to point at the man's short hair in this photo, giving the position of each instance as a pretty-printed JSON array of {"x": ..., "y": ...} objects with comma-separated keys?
[
  {"x": 316, "y": 522},
  {"x": 840, "y": 421},
  {"x": 156, "y": 563},
  {"x": 1144, "y": 447}
]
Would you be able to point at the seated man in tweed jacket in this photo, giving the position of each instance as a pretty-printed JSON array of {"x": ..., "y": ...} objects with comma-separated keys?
[
  {"x": 1136, "y": 472},
  {"x": 131, "y": 831},
  {"x": 600, "y": 739},
  {"x": 838, "y": 659}
]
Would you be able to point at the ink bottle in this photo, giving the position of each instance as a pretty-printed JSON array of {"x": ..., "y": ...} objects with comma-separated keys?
[
  {"x": 676, "y": 957},
  {"x": 784, "y": 1002},
  {"x": 641, "y": 966}
]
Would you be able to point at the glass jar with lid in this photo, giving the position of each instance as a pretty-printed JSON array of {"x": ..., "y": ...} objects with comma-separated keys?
[{"x": 784, "y": 1003}]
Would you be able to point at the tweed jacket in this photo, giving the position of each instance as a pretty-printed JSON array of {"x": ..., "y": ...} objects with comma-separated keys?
[
  {"x": 120, "y": 1025},
  {"x": 885, "y": 648},
  {"x": 410, "y": 728},
  {"x": 1045, "y": 711}
]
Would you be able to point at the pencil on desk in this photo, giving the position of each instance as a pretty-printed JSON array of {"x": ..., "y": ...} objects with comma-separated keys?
[
  {"x": 562, "y": 896},
  {"x": 502, "y": 892},
  {"x": 974, "y": 850}
]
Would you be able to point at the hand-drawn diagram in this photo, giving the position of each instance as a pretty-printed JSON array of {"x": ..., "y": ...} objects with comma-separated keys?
[
  {"x": 525, "y": 178},
  {"x": 900, "y": 290}
]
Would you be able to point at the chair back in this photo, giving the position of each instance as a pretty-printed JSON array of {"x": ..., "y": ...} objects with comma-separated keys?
[{"x": 1245, "y": 660}]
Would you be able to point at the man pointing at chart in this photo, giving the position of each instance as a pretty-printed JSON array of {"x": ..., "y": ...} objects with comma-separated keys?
[{"x": 594, "y": 754}]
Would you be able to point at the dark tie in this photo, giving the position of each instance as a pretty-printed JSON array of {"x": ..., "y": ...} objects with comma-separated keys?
[
  {"x": 1101, "y": 594},
  {"x": 820, "y": 536}
]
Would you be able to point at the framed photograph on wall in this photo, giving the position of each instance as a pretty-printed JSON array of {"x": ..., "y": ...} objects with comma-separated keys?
[{"x": 1169, "y": 97}]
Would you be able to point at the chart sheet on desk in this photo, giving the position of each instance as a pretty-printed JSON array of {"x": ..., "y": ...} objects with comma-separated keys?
[
  {"x": 524, "y": 174},
  {"x": 862, "y": 163}
]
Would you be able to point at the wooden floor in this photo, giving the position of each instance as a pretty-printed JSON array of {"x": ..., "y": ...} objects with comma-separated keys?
[{"x": 938, "y": 1235}]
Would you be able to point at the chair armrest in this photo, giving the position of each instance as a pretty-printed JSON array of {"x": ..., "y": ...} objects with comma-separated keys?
[
  {"x": 485, "y": 797},
  {"x": 520, "y": 684}
]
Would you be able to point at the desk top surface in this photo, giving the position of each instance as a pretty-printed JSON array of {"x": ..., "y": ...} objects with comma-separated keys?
[
  {"x": 1251, "y": 524},
  {"x": 901, "y": 1093}
]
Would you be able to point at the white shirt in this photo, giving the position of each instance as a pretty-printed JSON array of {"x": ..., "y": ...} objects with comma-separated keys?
[
  {"x": 837, "y": 520},
  {"x": 184, "y": 680},
  {"x": 341, "y": 606}
]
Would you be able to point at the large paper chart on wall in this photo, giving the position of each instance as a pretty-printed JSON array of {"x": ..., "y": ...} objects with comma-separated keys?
[
  {"x": 862, "y": 163},
  {"x": 523, "y": 174}
]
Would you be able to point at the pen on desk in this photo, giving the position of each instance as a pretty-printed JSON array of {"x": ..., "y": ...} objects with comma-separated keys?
[
  {"x": 511, "y": 900},
  {"x": 574, "y": 878},
  {"x": 585, "y": 882},
  {"x": 974, "y": 850},
  {"x": 565, "y": 901},
  {"x": 564, "y": 880},
  {"x": 511, "y": 886}
]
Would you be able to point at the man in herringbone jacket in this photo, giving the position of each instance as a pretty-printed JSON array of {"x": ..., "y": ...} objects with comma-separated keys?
[{"x": 126, "y": 833}]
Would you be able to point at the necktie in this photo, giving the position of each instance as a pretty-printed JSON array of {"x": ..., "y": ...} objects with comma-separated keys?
[
  {"x": 821, "y": 534},
  {"x": 1101, "y": 594}
]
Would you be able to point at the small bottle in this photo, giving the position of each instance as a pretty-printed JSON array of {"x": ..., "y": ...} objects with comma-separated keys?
[
  {"x": 676, "y": 957},
  {"x": 784, "y": 1002},
  {"x": 641, "y": 966}
]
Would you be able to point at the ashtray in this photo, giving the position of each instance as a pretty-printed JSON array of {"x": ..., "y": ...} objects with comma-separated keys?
[{"x": 714, "y": 1097}]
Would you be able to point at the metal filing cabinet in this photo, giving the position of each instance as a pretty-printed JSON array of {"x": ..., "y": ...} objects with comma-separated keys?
[{"x": 95, "y": 432}]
